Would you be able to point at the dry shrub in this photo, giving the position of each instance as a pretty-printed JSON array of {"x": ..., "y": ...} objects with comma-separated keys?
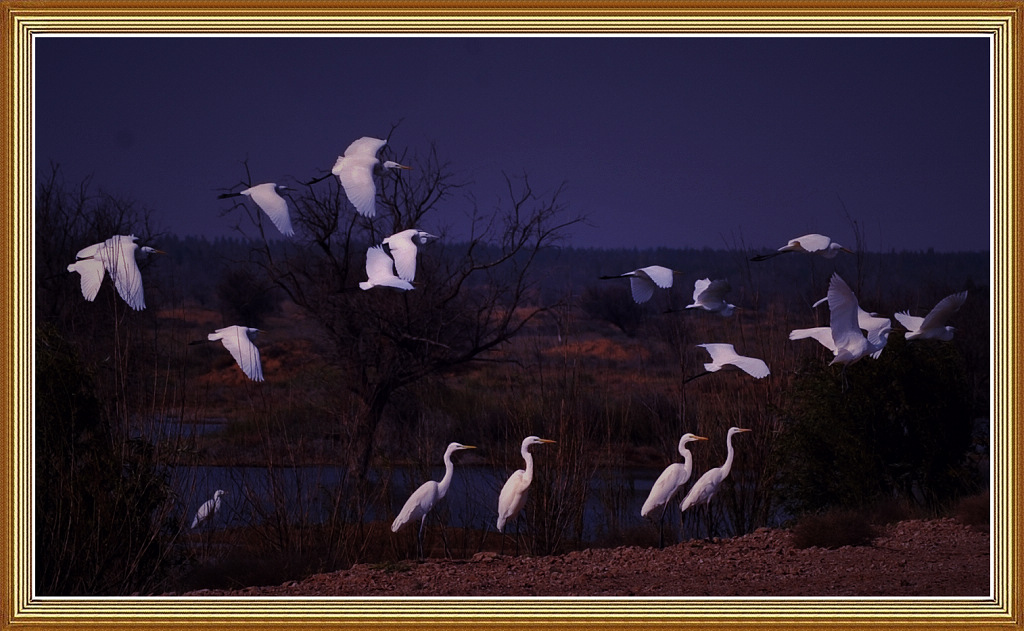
[
  {"x": 973, "y": 511},
  {"x": 833, "y": 529}
]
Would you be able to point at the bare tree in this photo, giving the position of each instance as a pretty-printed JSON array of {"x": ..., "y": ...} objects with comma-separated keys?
[{"x": 470, "y": 297}]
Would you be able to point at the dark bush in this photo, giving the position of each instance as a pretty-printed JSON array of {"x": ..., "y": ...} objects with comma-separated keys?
[
  {"x": 896, "y": 427},
  {"x": 973, "y": 511},
  {"x": 833, "y": 529},
  {"x": 98, "y": 496}
]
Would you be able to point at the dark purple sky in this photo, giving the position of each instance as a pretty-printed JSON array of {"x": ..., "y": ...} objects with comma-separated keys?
[{"x": 678, "y": 141}]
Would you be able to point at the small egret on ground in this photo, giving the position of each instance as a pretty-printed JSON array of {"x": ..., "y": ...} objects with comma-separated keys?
[
  {"x": 115, "y": 256},
  {"x": 723, "y": 355},
  {"x": 380, "y": 271},
  {"x": 427, "y": 496},
  {"x": 513, "y": 494},
  {"x": 810, "y": 243},
  {"x": 209, "y": 508},
  {"x": 707, "y": 485},
  {"x": 668, "y": 483},
  {"x": 643, "y": 281},
  {"x": 402, "y": 246},
  {"x": 236, "y": 340},
  {"x": 356, "y": 169},
  {"x": 710, "y": 296},
  {"x": 270, "y": 201},
  {"x": 933, "y": 326}
]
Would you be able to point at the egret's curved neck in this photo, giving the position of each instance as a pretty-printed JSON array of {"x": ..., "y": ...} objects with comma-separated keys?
[
  {"x": 687, "y": 463},
  {"x": 728, "y": 458},
  {"x": 449, "y": 469},
  {"x": 528, "y": 457}
]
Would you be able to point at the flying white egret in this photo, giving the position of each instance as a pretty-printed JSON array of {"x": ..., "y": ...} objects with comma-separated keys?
[
  {"x": 933, "y": 326},
  {"x": 723, "y": 355},
  {"x": 270, "y": 202},
  {"x": 115, "y": 256},
  {"x": 427, "y": 496},
  {"x": 811, "y": 244},
  {"x": 707, "y": 485},
  {"x": 380, "y": 271},
  {"x": 668, "y": 483},
  {"x": 710, "y": 296},
  {"x": 513, "y": 494},
  {"x": 356, "y": 169},
  {"x": 402, "y": 246},
  {"x": 850, "y": 342},
  {"x": 875, "y": 326},
  {"x": 209, "y": 508},
  {"x": 643, "y": 281},
  {"x": 236, "y": 340}
]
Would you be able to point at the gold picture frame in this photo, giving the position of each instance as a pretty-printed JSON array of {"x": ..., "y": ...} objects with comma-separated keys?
[{"x": 23, "y": 20}]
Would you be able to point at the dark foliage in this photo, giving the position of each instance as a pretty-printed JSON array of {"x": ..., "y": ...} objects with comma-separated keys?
[
  {"x": 97, "y": 498},
  {"x": 833, "y": 529},
  {"x": 895, "y": 427}
]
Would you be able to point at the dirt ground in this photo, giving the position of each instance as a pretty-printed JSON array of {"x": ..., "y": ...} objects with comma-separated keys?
[{"x": 940, "y": 557}]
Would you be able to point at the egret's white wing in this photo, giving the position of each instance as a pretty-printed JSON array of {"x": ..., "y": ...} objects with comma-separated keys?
[
  {"x": 941, "y": 312},
  {"x": 909, "y": 322},
  {"x": 699, "y": 287},
  {"x": 723, "y": 354},
  {"x": 715, "y": 291},
  {"x": 703, "y": 489},
  {"x": 418, "y": 504},
  {"x": 403, "y": 250},
  {"x": 90, "y": 251},
  {"x": 877, "y": 329},
  {"x": 365, "y": 146},
  {"x": 512, "y": 498},
  {"x": 842, "y": 304},
  {"x": 812, "y": 242},
  {"x": 208, "y": 508},
  {"x": 379, "y": 266},
  {"x": 275, "y": 206},
  {"x": 356, "y": 175},
  {"x": 822, "y": 334},
  {"x": 666, "y": 486},
  {"x": 92, "y": 272},
  {"x": 119, "y": 259},
  {"x": 642, "y": 287},
  {"x": 661, "y": 276},
  {"x": 247, "y": 356}
]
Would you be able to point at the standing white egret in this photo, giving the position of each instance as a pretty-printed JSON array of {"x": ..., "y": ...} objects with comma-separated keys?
[
  {"x": 933, "y": 326},
  {"x": 402, "y": 246},
  {"x": 236, "y": 340},
  {"x": 668, "y": 483},
  {"x": 513, "y": 494},
  {"x": 380, "y": 271},
  {"x": 708, "y": 484},
  {"x": 115, "y": 256},
  {"x": 723, "y": 355},
  {"x": 710, "y": 296},
  {"x": 270, "y": 201},
  {"x": 811, "y": 244},
  {"x": 209, "y": 508},
  {"x": 356, "y": 169},
  {"x": 643, "y": 281},
  {"x": 427, "y": 496}
]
